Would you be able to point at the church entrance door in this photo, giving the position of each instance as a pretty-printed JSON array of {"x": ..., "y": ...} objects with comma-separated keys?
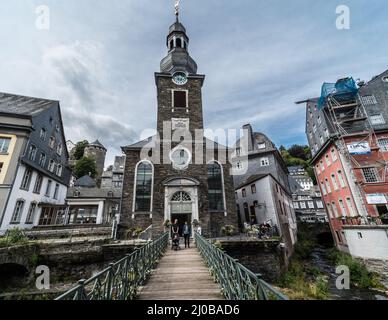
[
  {"x": 181, "y": 202},
  {"x": 182, "y": 218}
]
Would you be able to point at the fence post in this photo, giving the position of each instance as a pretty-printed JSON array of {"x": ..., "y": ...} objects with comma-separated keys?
[
  {"x": 109, "y": 283},
  {"x": 81, "y": 295}
]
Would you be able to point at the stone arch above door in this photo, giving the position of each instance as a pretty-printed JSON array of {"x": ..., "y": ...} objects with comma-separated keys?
[{"x": 178, "y": 182}]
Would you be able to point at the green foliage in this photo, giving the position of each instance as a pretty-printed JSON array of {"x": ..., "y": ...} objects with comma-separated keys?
[
  {"x": 167, "y": 223},
  {"x": 304, "y": 248},
  {"x": 85, "y": 166},
  {"x": 218, "y": 245},
  {"x": 34, "y": 260},
  {"x": 80, "y": 149},
  {"x": 133, "y": 233},
  {"x": 360, "y": 276},
  {"x": 298, "y": 155},
  {"x": 306, "y": 242},
  {"x": 13, "y": 237},
  {"x": 228, "y": 231},
  {"x": 195, "y": 223},
  {"x": 300, "y": 287},
  {"x": 300, "y": 152}
]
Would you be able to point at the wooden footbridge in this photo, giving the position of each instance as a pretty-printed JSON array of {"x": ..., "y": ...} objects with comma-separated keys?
[{"x": 154, "y": 272}]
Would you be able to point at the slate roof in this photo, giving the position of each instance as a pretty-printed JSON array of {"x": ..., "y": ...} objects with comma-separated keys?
[
  {"x": 252, "y": 179},
  {"x": 143, "y": 143},
  {"x": 86, "y": 182},
  {"x": 24, "y": 106},
  {"x": 92, "y": 193},
  {"x": 97, "y": 144},
  {"x": 177, "y": 27}
]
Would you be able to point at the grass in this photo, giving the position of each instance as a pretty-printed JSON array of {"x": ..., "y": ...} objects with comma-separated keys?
[
  {"x": 14, "y": 237},
  {"x": 360, "y": 276},
  {"x": 304, "y": 283}
]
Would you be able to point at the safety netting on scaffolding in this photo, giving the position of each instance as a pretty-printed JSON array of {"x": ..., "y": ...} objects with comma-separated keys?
[{"x": 343, "y": 90}]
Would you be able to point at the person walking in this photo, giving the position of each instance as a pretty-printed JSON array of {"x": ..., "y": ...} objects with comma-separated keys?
[{"x": 187, "y": 234}]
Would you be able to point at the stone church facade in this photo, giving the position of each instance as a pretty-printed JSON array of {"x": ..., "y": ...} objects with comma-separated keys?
[{"x": 178, "y": 173}]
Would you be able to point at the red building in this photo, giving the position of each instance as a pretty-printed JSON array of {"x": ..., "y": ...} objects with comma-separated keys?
[{"x": 347, "y": 129}]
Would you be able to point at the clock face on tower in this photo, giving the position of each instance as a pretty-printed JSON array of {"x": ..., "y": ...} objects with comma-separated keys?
[
  {"x": 179, "y": 78},
  {"x": 180, "y": 158}
]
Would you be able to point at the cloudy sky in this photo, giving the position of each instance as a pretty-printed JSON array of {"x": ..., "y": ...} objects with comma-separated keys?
[{"x": 99, "y": 57}]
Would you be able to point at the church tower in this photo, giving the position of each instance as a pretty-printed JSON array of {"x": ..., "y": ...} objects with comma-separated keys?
[
  {"x": 177, "y": 175},
  {"x": 179, "y": 86}
]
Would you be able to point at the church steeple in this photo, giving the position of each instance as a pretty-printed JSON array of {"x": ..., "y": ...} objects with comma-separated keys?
[{"x": 178, "y": 58}]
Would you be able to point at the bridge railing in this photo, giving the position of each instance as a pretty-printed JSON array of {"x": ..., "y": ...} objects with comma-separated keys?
[
  {"x": 121, "y": 280},
  {"x": 237, "y": 282}
]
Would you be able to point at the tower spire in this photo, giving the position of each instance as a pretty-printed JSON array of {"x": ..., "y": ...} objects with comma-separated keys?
[{"x": 177, "y": 7}]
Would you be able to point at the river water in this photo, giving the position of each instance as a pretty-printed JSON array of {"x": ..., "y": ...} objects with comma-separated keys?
[{"x": 319, "y": 260}]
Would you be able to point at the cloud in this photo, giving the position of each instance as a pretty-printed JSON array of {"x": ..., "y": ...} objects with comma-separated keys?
[{"x": 259, "y": 58}]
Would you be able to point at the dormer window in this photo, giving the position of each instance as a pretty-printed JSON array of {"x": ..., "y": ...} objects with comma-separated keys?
[
  {"x": 59, "y": 149},
  {"x": 32, "y": 153},
  {"x": 43, "y": 134},
  {"x": 261, "y": 146},
  {"x": 52, "y": 142}
]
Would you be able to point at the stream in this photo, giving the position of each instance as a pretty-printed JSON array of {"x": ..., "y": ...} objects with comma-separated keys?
[{"x": 319, "y": 260}]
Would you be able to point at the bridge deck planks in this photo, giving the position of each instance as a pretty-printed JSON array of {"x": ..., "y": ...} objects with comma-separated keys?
[{"x": 181, "y": 275}]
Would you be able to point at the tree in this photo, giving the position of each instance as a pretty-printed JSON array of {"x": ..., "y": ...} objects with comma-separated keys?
[
  {"x": 85, "y": 166},
  {"x": 300, "y": 152},
  {"x": 80, "y": 149}
]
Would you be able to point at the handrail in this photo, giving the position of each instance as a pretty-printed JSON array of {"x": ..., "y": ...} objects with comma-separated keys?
[
  {"x": 146, "y": 234},
  {"x": 237, "y": 282},
  {"x": 121, "y": 280}
]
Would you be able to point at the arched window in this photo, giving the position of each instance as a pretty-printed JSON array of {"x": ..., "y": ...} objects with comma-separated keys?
[
  {"x": 181, "y": 197},
  {"x": 215, "y": 185},
  {"x": 143, "y": 187},
  {"x": 181, "y": 203},
  {"x": 178, "y": 43},
  {"x": 171, "y": 44}
]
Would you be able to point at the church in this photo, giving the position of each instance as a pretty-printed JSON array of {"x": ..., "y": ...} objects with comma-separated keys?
[{"x": 178, "y": 173}]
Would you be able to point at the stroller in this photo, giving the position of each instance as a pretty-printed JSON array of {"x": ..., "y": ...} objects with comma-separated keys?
[{"x": 175, "y": 242}]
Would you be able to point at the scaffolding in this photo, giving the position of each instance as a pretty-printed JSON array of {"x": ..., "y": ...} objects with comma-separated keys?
[{"x": 348, "y": 115}]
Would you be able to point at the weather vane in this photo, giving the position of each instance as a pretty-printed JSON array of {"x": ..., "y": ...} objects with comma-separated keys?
[{"x": 177, "y": 4}]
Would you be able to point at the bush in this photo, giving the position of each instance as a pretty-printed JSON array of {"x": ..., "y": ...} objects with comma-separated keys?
[
  {"x": 13, "y": 237},
  {"x": 360, "y": 276},
  {"x": 228, "y": 231},
  {"x": 167, "y": 223},
  {"x": 296, "y": 280},
  {"x": 304, "y": 248},
  {"x": 218, "y": 245},
  {"x": 85, "y": 166}
]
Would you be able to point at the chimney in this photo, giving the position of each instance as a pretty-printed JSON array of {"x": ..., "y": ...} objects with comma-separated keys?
[{"x": 248, "y": 136}]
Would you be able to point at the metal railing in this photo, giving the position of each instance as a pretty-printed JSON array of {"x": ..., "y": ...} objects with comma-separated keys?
[
  {"x": 237, "y": 282},
  {"x": 121, "y": 280}
]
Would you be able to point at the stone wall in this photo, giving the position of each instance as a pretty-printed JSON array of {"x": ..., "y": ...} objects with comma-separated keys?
[
  {"x": 263, "y": 257},
  {"x": 380, "y": 267}
]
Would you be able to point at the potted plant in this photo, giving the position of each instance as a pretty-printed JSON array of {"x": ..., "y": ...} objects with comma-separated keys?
[
  {"x": 167, "y": 225},
  {"x": 195, "y": 225},
  {"x": 228, "y": 231},
  {"x": 384, "y": 218}
]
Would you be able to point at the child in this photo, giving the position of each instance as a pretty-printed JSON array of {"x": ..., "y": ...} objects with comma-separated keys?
[{"x": 175, "y": 242}]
